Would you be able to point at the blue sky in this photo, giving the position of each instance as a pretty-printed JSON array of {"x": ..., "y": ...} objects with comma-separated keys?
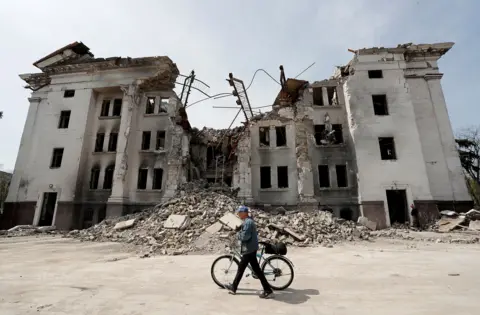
[{"x": 218, "y": 37}]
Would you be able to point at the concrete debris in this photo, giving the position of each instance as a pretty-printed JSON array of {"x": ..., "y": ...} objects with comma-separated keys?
[
  {"x": 449, "y": 213},
  {"x": 124, "y": 225},
  {"x": 214, "y": 228},
  {"x": 473, "y": 214},
  {"x": 367, "y": 223},
  {"x": 449, "y": 224},
  {"x": 231, "y": 220},
  {"x": 474, "y": 225},
  {"x": 175, "y": 221},
  {"x": 25, "y": 230}
]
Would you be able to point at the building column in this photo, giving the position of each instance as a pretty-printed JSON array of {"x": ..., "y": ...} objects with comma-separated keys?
[
  {"x": 325, "y": 96},
  {"x": 119, "y": 195}
]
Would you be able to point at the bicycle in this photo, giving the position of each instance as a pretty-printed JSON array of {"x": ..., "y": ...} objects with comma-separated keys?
[{"x": 266, "y": 248}]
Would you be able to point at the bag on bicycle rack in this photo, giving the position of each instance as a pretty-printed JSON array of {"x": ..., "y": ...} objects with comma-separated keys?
[{"x": 277, "y": 248}]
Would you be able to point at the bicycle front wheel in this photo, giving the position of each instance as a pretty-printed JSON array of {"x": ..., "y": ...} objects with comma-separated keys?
[
  {"x": 278, "y": 271},
  {"x": 224, "y": 269}
]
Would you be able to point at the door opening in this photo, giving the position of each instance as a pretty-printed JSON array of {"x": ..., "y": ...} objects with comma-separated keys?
[
  {"x": 48, "y": 209},
  {"x": 397, "y": 206}
]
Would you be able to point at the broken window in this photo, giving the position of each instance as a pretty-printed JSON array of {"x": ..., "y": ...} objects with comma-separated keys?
[
  {"x": 332, "y": 95},
  {"x": 68, "y": 93},
  {"x": 281, "y": 136},
  {"x": 150, "y": 108},
  {"x": 64, "y": 119},
  {"x": 318, "y": 96},
  {"x": 342, "y": 179},
  {"x": 108, "y": 177},
  {"x": 380, "y": 107},
  {"x": 146, "y": 140},
  {"x": 264, "y": 136},
  {"x": 319, "y": 134},
  {"x": 375, "y": 74},
  {"x": 157, "y": 178},
  {"x": 57, "y": 157},
  {"x": 323, "y": 176},
  {"x": 160, "y": 141},
  {"x": 105, "y": 108},
  {"x": 282, "y": 176},
  {"x": 142, "y": 178},
  {"x": 265, "y": 180},
  {"x": 117, "y": 107},
  {"x": 163, "y": 105},
  {"x": 387, "y": 148},
  {"x": 112, "y": 142},
  {"x": 99, "y": 142},
  {"x": 338, "y": 133},
  {"x": 94, "y": 177}
]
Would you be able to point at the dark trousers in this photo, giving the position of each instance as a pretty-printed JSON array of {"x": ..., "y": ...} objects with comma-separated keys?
[{"x": 251, "y": 258}]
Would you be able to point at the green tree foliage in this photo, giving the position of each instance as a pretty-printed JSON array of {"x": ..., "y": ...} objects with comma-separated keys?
[{"x": 468, "y": 142}]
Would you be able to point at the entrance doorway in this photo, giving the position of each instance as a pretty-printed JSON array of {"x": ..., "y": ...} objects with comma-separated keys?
[
  {"x": 397, "y": 206},
  {"x": 48, "y": 209}
]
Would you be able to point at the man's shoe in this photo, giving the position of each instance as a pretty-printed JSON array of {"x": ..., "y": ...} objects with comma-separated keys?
[
  {"x": 230, "y": 289},
  {"x": 266, "y": 295}
]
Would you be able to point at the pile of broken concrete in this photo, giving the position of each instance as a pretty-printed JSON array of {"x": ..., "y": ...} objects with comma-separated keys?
[{"x": 451, "y": 220}]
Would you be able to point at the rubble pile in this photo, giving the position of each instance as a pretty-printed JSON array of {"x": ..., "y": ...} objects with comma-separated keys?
[
  {"x": 25, "y": 230},
  {"x": 452, "y": 220}
]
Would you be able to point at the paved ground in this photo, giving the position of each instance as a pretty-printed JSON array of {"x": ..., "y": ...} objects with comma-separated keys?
[{"x": 63, "y": 276}]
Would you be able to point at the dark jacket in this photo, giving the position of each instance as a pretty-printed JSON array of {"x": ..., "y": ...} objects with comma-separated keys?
[{"x": 248, "y": 236}]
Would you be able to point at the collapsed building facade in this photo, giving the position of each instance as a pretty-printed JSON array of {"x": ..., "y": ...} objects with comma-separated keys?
[{"x": 372, "y": 140}]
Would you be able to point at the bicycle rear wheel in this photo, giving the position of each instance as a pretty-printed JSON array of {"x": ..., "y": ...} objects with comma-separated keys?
[
  {"x": 278, "y": 271},
  {"x": 227, "y": 266}
]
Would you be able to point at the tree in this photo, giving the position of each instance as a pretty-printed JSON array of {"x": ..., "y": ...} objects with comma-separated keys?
[
  {"x": 1, "y": 115},
  {"x": 468, "y": 142}
]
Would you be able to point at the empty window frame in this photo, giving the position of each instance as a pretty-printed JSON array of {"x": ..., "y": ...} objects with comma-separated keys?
[
  {"x": 380, "y": 106},
  {"x": 94, "y": 177},
  {"x": 99, "y": 142},
  {"x": 150, "y": 106},
  {"x": 387, "y": 148},
  {"x": 163, "y": 106},
  {"x": 64, "y": 120},
  {"x": 318, "y": 96},
  {"x": 57, "y": 157},
  {"x": 323, "y": 176},
  {"x": 146, "y": 136},
  {"x": 319, "y": 133},
  {"x": 375, "y": 74},
  {"x": 160, "y": 141},
  {"x": 281, "y": 133},
  {"x": 282, "y": 176},
  {"x": 108, "y": 177},
  {"x": 265, "y": 177},
  {"x": 142, "y": 178},
  {"x": 105, "y": 108},
  {"x": 332, "y": 95},
  {"x": 117, "y": 107},
  {"x": 157, "y": 178},
  {"x": 68, "y": 93},
  {"x": 342, "y": 178},
  {"x": 264, "y": 135},
  {"x": 112, "y": 142},
  {"x": 338, "y": 133}
]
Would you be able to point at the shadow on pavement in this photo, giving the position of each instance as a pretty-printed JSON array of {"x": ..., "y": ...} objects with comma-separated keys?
[{"x": 290, "y": 296}]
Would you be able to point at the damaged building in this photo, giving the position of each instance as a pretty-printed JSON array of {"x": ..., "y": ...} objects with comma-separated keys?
[{"x": 109, "y": 136}]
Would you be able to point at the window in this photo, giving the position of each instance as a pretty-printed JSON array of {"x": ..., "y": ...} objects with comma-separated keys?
[
  {"x": 68, "y": 93},
  {"x": 146, "y": 140},
  {"x": 94, "y": 176},
  {"x": 281, "y": 136},
  {"x": 112, "y": 142},
  {"x": 387, "y": 148},
  {"x": 57, "y": 157},
  {"x": 332, "y": 95},
  {"x": 142, "y": 178},
  {"x": 150, "y": 107},
  {"x": 319, "y": 134},
  {"x": 342, "y": 179},
  {"x": 380, "y": 107},
  {"x": 264, "y": 136},
  {"x": 108, "y": 178},
  {"x": 318, "y": 96},
  {"x": 323, "y": 176},
  {"x": 160, "y": 143},
  {"x": 64, "y": 119},
  {"x": 117, "y": 107},
  {"x": 157, "y": 178},
  {"x": 265, "y": 180},
  {"x": 282, "y": 176},
  {"x": 338, "y": 133},
  {"x": 375, "y": 74},
  {"x": 99, "y": 142},
  {"x": 163, "y": 105},
  {"x": 105, "y": 108}
]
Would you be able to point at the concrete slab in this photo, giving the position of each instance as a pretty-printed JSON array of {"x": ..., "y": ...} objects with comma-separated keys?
[
  {"x": 231, "y": 220},
  {"x": 474, "y": 225},
  {"x": 367, "y": 223},
  {"x": 214, "y": 228},
  {"x": 176, "y": 221},
  {"x": 124, "y": 225},
  {"x": 446, "y": 224}
]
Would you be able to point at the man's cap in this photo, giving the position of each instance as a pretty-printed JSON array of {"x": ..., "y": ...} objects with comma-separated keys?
[{"x": 242, "y": 209}]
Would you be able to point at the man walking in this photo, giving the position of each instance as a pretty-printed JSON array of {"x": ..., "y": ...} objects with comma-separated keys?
[{"x": 249, "y": 246}]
